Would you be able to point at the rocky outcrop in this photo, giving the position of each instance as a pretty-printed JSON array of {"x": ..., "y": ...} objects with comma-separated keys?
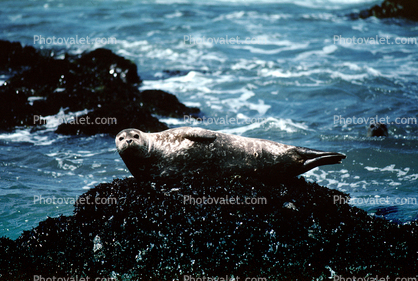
[
  {"x": 13, "y": 56},
  {"x": 147, "y": 230},
  {"x": 104, "y": 84},
  {"x": 392, "y": 9}
]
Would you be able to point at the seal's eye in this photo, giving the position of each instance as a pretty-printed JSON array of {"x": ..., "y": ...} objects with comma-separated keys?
[
  {"x": 121, "y": 138},
  {"x": 372, "y": 126},
  {"x": 136, "y": 136}
]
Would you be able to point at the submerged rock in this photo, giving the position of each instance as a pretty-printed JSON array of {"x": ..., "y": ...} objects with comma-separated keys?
[
  {"x": 101, "y": 82},
  {"x": 392, "y": 9},
  {"x": 144, "y": 230}
]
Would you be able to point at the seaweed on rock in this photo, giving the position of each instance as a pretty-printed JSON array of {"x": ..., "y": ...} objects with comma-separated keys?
[{"x": 144, "y": 230}]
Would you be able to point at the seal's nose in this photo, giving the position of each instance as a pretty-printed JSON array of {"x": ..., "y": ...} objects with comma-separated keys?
[{"x": 128, "y": 141}]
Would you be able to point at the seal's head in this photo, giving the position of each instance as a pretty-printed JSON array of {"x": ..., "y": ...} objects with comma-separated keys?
[
  {"x": 377, "y": 130},
  {"x": 132, "y": 142}
]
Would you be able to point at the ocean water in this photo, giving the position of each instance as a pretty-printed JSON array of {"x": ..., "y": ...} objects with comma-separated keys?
[{"x": 300, "y": 78}]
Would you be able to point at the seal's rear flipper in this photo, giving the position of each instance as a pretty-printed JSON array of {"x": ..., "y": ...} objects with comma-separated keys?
[{"x": 315, "y": 158}]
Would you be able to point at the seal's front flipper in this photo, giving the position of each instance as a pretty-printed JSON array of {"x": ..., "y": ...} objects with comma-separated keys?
[{"x": 199, "y": 135}]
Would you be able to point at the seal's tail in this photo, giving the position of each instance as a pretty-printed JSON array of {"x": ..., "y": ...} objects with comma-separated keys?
[{"x": 315, "y": 158}]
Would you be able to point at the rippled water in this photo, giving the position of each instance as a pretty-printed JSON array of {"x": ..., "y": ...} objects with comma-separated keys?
[{"x": 292, "y": 86}]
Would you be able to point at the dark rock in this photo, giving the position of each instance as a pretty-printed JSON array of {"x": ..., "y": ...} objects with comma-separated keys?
[
  {"x": 144, "y": 230},
  {"x": 99, "y": 81},
  {"x": 166, "y": 104},
  {"x": 13, "y": 56},
  {"x": 173, "y": 73},
  {"x": 392, "y": 9},
  {"x": 15, "y": 109},
  {"x": 118, "y": 66}
]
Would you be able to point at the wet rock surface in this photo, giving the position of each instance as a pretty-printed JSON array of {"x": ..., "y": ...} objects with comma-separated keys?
[
  {"x": 104, "y": 84},
  {"x": 145, "y": 230},
  {"x": 13, "y": 56},
  {"x": 392, "y": 9}
]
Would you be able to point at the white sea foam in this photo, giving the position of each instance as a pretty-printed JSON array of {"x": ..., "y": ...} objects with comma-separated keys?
[
  {"x": 43, "y": 135},
  {"x": 324, "y": 52},
  {"x": 32, "y": 99},
  {"x": 327, "y": 4},
  {"x": 176, "y": 14},
  {"x": 53, "y": 121},
  {"x": 351, "y": 72},
  {"x": 142, "y": 45},
  {"x": 192, "y": 104},
  {"x": 236, "y": 103},
  {"x": 3, "y": 78},
  {"x": 90, "y": 184},
  {"x": 352, "y": 66},
  {"x": 249, "y": 64},
  {"x": 401, "y": 174},
  {"x": 174, "y": 121},
  {"x": 24, "y": 135},
  {"x": 243, "y": 129},
  {"x": 193, "y": 82},
  {"x": 16, "y": 17},
  {"x": 348, "y": 77},
  {"x": 286, "y": 125},
  {"x": 17, "y": 136},
  {"x": 340, "y": 180},
  {"x": 289, "y": 74},
  {"x": 321, "y": 17},
  {"x": 264, "y": 48},
  {"x": 273, "y": 17},
  {"x": 330, "y": 4}
]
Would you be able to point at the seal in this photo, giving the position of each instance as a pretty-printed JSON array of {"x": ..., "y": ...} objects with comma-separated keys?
[
  {"x": 187, "y": 151},
  {"x": 377, "y": 130}
]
